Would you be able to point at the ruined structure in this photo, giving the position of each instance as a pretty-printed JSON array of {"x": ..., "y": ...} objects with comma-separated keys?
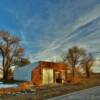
[{"x": 49, "y": 73}]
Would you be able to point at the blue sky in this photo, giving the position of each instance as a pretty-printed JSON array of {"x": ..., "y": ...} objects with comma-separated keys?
[{"x": 48, "y": 28}]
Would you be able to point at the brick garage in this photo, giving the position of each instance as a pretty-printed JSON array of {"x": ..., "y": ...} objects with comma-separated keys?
[{"x": 49, "y": 73}]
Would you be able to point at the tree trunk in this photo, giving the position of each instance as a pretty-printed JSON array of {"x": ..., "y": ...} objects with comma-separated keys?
[
  {"x": 87, "y": 72},
  {"x": 73, "y": 72},
  {"x": 5, "y": 75},
  {"x": 5, "y": 68}
]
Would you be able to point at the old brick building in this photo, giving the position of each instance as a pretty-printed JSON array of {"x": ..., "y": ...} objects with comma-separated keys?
[{"x": 49, "y": 73}]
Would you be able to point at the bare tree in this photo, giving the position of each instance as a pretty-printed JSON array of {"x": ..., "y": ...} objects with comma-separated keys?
[
  {"x": 11, "y": 52},
  {"x": 87, "y": 64},
  {"x": 74, "y": 57}
]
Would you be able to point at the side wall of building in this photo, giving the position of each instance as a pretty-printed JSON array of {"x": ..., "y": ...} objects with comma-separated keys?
[{"x": 37, "y": 76}]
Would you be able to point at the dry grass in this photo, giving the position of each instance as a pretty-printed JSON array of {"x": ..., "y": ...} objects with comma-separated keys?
[
  {"x": 43, "y": 92},
  {"x": 56, "y": 90}
]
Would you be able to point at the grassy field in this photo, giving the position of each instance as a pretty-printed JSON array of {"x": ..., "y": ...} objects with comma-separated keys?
[{"x": 49, "y": 91}]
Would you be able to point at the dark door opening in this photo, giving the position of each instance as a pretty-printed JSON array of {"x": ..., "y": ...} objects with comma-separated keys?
[{"x": 58, "y": 78}]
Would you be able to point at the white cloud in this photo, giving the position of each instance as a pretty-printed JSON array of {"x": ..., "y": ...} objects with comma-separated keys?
[
  {"x": 61, "y": 34},
  {"x": 88, "y": 17}
]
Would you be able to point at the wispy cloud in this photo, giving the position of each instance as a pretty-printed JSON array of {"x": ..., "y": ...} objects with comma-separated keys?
[
  {"x": 71, "y": 33},
  {"x": 57, "y": 26}
]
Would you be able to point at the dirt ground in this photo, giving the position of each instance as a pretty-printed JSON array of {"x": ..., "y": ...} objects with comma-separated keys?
[{"x": 53, "y": 90}]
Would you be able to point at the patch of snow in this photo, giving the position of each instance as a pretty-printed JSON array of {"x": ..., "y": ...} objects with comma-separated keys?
[{"x": 2, "y": 85}]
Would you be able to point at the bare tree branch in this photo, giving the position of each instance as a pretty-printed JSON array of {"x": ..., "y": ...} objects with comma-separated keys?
[{"x": 10, "y": 50}]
